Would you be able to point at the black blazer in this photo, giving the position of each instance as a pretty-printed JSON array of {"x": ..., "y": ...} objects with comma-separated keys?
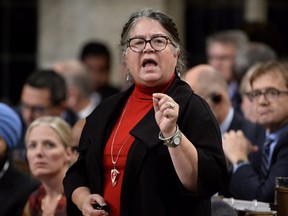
[
  {"x": 247, "y": 182},
  {"x": 15, "y": 189},
  {"x": 150, "y": 184},
  {"x": 255, "y": 133}
]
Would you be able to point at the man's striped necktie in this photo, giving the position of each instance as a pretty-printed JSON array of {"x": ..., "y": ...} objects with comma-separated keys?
[{"x": 265, "y": 157}]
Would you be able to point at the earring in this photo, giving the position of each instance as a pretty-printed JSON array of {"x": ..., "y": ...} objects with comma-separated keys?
[
  {"x": 177, "y": 72},
  {"x": 129, "y": 77}
]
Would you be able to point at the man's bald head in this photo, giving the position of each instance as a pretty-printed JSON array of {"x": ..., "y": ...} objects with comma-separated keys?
[{"x": 205, "y": 79}]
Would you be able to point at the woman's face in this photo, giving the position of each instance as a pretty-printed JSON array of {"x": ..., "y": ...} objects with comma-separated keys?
[
  {"x": 46, "y": 153},
  {"x": 151, "y": 68}
]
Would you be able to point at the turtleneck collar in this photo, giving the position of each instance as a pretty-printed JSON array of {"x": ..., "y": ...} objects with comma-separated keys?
[{"x": 145, "y": 93}]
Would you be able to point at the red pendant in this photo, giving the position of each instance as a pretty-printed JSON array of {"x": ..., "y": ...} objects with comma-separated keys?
[{"x": 114, "y": 176}]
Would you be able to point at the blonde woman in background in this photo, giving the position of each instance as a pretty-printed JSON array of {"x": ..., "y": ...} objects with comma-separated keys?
[{"x": 48, "y": 153}]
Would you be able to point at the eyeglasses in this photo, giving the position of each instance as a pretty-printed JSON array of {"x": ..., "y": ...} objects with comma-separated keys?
[
  {"x": 158, "y": 43},
  {"x": 220, "y": 58},
  {"x": 36, "y": 110},
  {"x": 270, "y": 94},
  {"x": 248, "y": 95}
]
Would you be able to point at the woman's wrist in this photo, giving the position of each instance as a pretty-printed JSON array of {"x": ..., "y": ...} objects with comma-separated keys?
[
  {"x": 173, "y": 140},
  {"x": 168, "y": 135},
  {"x": 78, "y": 196}
]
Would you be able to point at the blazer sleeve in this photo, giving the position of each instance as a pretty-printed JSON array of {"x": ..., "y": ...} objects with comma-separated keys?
[
  {"x": 247, "y": 184},
  {"x": 201, "y": 128},
  {"x": 77, "y": 176}
]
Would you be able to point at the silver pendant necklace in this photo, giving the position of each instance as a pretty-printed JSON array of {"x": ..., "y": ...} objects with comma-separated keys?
[{"x": 114, "y": 172}]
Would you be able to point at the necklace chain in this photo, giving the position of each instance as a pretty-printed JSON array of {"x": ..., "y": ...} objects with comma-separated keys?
[{"x": 114, "y": 171}]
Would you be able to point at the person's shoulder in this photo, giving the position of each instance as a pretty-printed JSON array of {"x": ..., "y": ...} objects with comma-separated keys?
[
  {"x": 21, "y": 181},
  {"x": 109, "y": 104},
  {"x": 109, "y": 91},
  {"x": 179, "y": 88}
]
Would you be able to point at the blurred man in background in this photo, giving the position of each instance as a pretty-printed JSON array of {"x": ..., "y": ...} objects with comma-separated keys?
[{"x": 96, "y": 57}]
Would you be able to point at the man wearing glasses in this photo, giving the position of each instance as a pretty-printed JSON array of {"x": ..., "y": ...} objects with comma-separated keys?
[
  {"x": 253, "y": 177},
  {"x": 43, "y": 93}
]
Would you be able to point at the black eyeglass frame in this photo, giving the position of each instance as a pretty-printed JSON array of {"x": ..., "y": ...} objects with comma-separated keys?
[
  {"x": 273, "y": 92},
  {"x": 149, "y": 41}
]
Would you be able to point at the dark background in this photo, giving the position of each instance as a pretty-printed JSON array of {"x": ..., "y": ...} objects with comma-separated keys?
[
  {"x": 18, "y": 38},
  {"x": 204, "y": 17}
]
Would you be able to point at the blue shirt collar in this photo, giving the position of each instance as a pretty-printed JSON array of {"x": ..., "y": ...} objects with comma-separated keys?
[
  {"x": 227, "y": 121},
  {"x": 276, "y": 134}
]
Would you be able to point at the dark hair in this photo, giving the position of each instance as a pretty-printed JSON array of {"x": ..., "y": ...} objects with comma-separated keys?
[
  {"x": 94, "y": 48},
  {"x": 49, "y": 79},
  {"x": 166, "y": 22}
]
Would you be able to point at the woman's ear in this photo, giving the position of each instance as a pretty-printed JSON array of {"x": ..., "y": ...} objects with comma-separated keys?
[
  {"x": 177, "y": 53},
  {"x": 176, "y": 56},
  {"x": 68, "y": 155},
  {"x": 124, "y": 56}
]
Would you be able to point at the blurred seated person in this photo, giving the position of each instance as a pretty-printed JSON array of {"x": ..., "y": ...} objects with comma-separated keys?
[
  {"x": 253, "y": 177},
  {"x": 97, "y": 58},
  {"x": 15, "y": 186},
  {"x": 43, "y": 93},
  {"x": 75, "y": 138},
  {"x": 245, "y": 89},
  {"x": 79, "y": 87},
  {"x": 246, "y": 58},
  {"x": 254, "y": 52},
  {"x": 48, "y": 153},
  {"x": 209, "y": 84},
  {"x": 222, "y": 48}
]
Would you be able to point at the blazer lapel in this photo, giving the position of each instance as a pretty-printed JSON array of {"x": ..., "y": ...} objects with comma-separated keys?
[{"x": 146, "y": 134}]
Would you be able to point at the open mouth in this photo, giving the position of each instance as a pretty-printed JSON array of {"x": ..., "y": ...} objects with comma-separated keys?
[{"x": 149, "y": 63}]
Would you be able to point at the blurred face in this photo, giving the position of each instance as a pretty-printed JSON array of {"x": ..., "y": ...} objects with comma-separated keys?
[
  {"x": 149, "y": 67},
  {"x": 3, "y": 149},
  {"x": 98, "y": 70},
  {"x": 46, "y": 154},
  {"x": 272, "y": 112},
  {"x": 247, "y": 106},
  {"x": 222, "y": 57},
  {"x": 75, "y": 138},
  {"x": 35, "y": 103},
  {"x": 248, "y": 109},
  {"x": 192, "y": 78}
]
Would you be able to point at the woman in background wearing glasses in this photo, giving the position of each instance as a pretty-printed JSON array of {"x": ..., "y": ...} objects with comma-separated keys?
[{"x": 154, "y": 149}]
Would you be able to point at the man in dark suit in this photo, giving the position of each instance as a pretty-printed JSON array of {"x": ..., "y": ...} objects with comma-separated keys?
[
  {"x": 15, "y": 186},
  {"x": 207, "y": 82},
  {"x": 222, "y": 48},
  {"x": 254, "y": 177},
  {"x": 95, "y": 56}
]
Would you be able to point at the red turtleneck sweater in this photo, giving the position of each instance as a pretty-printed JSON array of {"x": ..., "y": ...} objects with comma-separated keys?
[{"x": 137, "y": 105}]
